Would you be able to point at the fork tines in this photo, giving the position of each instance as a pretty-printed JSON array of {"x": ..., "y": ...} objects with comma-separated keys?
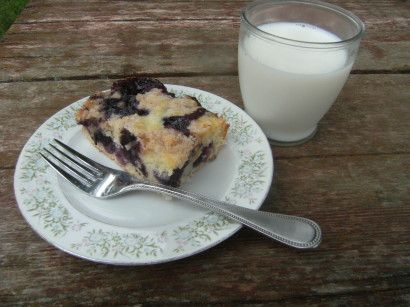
[{"x": 72, "y": 165}]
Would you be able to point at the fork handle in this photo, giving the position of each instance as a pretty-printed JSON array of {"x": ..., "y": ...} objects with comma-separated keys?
[{"x": 290, "y": 230}]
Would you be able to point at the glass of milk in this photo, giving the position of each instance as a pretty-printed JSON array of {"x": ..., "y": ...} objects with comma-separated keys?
[{"x": 294, "y": 58}]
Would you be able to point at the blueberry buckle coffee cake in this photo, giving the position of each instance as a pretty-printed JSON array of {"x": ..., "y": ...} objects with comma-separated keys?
[{"x": 149, "y": 132}]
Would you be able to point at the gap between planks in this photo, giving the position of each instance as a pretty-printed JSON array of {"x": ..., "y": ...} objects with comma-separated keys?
[
  {"x": 290, "y": 299},
  {"x": 327, "y": 156},
  {"x": 319, "y": 296},
  {"x": 118, "y": 76},
  {"x": 185, "y": 74},
  {"x": 128, "y": 20}
]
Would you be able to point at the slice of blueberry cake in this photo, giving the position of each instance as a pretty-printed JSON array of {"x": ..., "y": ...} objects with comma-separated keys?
[{"x": 149, "y": 132}]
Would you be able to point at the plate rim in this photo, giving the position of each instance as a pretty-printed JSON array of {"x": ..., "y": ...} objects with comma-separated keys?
[{"x": 134, "y": 262}]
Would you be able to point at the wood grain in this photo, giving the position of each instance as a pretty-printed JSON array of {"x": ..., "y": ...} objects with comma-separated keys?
[
  {"x": 95, "y": 49},
  {"x": 353, "y": 177},
  {"x": 38, "y": 11},
  {"x": 360, "y": 202},
  {"x": 57, "y": 11},
  {"x": 358, "y": 124}
]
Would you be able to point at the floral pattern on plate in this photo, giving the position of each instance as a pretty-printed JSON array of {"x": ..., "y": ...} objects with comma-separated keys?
[{"x": 51, "y": 215}]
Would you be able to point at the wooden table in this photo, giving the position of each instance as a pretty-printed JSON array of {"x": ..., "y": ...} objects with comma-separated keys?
[{"x": 353, "y": 177}]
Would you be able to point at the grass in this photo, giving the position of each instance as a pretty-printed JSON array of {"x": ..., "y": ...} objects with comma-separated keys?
[{"x": 9, "y": 10}]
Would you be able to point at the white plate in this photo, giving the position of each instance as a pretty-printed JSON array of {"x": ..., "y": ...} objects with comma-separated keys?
[{"x": 142, "y": 228}]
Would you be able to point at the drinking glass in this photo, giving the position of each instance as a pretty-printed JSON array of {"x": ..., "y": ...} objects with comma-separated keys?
[{"x": 293, "y": 59}]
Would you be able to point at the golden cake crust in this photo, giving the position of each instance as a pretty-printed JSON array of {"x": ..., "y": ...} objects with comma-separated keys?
[{"x": 151, "y": 130}]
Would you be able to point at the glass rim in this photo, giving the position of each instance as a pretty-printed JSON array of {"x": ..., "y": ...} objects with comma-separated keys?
[{"x": 319, "y": 45}]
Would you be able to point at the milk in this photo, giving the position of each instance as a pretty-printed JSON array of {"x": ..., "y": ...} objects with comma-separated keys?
[{"x": 287, "y": 89}]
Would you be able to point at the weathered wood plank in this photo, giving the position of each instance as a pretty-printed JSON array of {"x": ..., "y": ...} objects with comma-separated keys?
[
  {"x": 353, "y": 177},
  {"x": 38, "y": 11},
  {"x": 119, "y": 47},
  {"x": 360, "y": 202},
  {"x": 51, "y": 11},
  {"x": 371, "y": 116},
  {"x": 367, "y": 298}
]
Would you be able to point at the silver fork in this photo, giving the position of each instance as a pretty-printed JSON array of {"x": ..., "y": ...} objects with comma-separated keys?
[{"x": 101, "y": 181}]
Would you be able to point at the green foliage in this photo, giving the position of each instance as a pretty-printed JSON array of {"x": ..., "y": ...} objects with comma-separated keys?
[{"x": 9, "y": 10}]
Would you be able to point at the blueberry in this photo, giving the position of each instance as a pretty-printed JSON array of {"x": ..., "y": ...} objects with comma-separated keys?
[
  {"x": 203, "y": 157},
  {"x": 124, "y": 106},
  {"x": 106, "y": 141},
  {"x": 126, "y": 137},
  {"x": 138, "y": 85},
  {"x": 92, "y": 121},
  {"x": 175, "y": 179},
  {"x": 181, "y": 123}
]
